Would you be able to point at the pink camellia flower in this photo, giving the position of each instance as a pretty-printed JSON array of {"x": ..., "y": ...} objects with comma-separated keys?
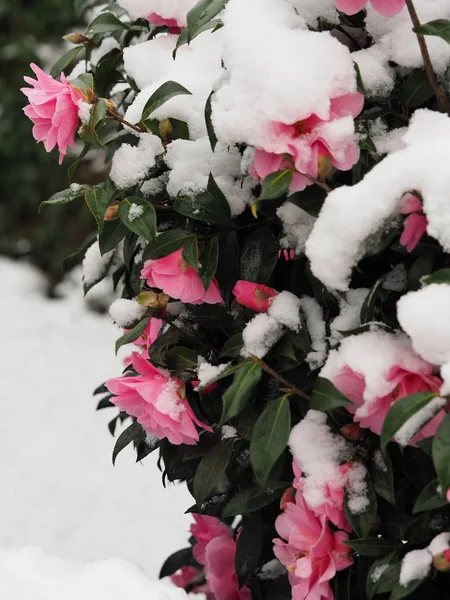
[
  {"x": 415, "y": 224},
  {"x": 220, "y": 573},
  {"x": 175, "y": 277},
  {"x": 289, "y": 254},
  {"x": 208, "y": 389},
  {"x": 387, "y": 8},
  {"x": 205, "y": 529},
  {"x": 188, "y": 577},
  {"x": 309, "y": 146},
  {"x": 253, "y": 295},
  {"x": 310, "y": 551},
  {"x": 157, "y": 401},
  {"x": 400, "y": 382},
  {"x": 160, "y": 21},
  {"x": 53, "y": 109},
  {"x": 333, "y": 505},
  {"x": 149, "y": 335}
]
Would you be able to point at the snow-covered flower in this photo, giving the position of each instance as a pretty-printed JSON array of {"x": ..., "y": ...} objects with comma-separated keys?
[{"x": 415, "y": 224}]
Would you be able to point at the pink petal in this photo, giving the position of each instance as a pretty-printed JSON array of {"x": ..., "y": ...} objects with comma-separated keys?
[
  {"x": 348, "y": 105},
  {"x": 350, "y": 7},
  {"x": 266, "y": 163},
  {"x": 414, "y": 228},
  {"x": 388, "y": 8},
  {"x": 409, "y": 204}
]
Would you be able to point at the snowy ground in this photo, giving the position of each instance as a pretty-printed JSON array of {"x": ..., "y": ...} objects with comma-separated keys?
[{"x": 59, "y": 489}]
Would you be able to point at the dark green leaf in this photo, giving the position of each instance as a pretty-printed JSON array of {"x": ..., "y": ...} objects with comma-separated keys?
[
  {"x": 190, "y": 252},
  {"x": 180, "y": 359},
  {"x": 430, "y": 498},
  {"x": 73, "y": 167},
  {"x": 106, "y": 22},
  {"x": 326, "y": 396},
  {"x": 383, "y": 575},
  {"x": 165, "y": 92},
  {"x": 401, "y": 591},
  {"x": 275, "y": 185},
  {"x": 368, "y": 306},
  {"x": 371, "y": 546},
  {"x": 63, "y": 197},
  {"x": 209, "y": 126},
  {"x": 441, "y": 453},
  {"x": 232, "y": 347},
  {"x": 204, "y": 207},
  {"x": 236, "y": 396},
  {"x": 401, "y": 411},
  {"x": 231, "y": 370},
  {"x": 133, "y": 334},
  {"x": 259, "y": 255},
  {"x": 253, "y": 498},
  {"x": 211, "y": 316},
  {"x": 209, "y": 260},
  {"x": 134, "y": 431},
  {"x": 416, "y": 89},
  {"x": 201, "y": 14},
  {"x": 382, "y": 476},
  {"x": 441, "y": 276},
  {"x": 180, "y": 558},
  {"x": 210, "y": 470},
  {"x": 248, "y": 548},
  {"x": 65, "y": 60},
  {"x": 84, "y": 81},
  {"x": 183, "y": 37},
  {"x": 166, "y": 243},
  {"x": 112, "y": 233},
  {"x": 138, "y": 216},
  {"x": 89, "y": 132},
  {"x": 97, "y": 203},
  {"x": 362, "y": 522},
  {"x": 439, "y": 27},
  {"x": 269, "y": 438}
]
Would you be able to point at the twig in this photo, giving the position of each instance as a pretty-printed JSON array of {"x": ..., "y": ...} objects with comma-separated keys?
[
  {"x": 442, "y": 100},
  {"x": 291, "y": 389},
  {"x": 321, "y": 184},
  {"x": 115, "y": 115}
]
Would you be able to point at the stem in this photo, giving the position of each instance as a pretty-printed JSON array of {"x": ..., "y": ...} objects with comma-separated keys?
[
  {"x": 289, "y": 387},
  {"x": 442, "y": 100},
  {"x": 321, "y": 184},
  {"x": 115, "y": 115}
]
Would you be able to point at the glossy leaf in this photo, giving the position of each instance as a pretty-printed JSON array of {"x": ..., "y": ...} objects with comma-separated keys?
[
  {"x": 232, "y": 347},
  {"x": 383, "y": 575},
  {"x": 63, "y": 197},
  {"x": 416, "y": 89},
  {"x": 138, "y": 216},
  {"x": 66, "y": 59},
  {"x": 111, "y": 235},
  {"x": 97, "y": 203},
  {"x": 106, "y": 22},
  {"x": 165, "y": 92},
  {"x": 190, "y": 252},
  {"x": 371, "y": 546},
  {"x": 209, "y": 126},
  {"x": 430, "y": 498},
  {"x": 441, "y": 453},
  {"x": 166, "y": 243},
  {"x": 131, "y": 433},
  {"x": 441, "y": 276},
  {"x": 439, "y": 28},
  {"x": 133, "y": 334},
  {"x": 326, "y": 396},
  {"x": 236, "y": 396},
  {"x": 201, "y": 14},
  {"x": 209, "y": 260},
  {"x": 248, "y": 548},
  {"x": 210, "y": 470}
]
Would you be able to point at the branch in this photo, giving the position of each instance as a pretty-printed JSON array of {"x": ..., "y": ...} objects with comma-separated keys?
[
  {"x": 115, "y": 115},
  {"x": 442, "y": 100},
  {"x": 290, "y": 389}
]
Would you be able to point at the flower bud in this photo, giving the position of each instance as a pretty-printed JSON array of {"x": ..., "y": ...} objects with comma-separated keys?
[
  {"x": 110, "y": 105},
  {"x": 165, "y": 129},
  {"x": 324, "y": 166},
  {"x": 75, "y": 38},
  {"x": 352, "y": 431},
  {"x": 153, "y": 300},
  {"x": 287, "y": 497},
  {"x": 441, "y": 561},
  {"x": 112, "y": 212}
]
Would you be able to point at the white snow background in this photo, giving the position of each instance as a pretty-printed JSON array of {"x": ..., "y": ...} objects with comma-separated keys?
[{"x": 59, "y": 490}]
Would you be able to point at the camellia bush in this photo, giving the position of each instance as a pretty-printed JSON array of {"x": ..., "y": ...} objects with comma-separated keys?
[{"x": 277, "y": 220}]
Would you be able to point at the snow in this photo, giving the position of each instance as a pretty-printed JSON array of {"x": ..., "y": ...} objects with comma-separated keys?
[
  {"x": 29, "y": 573},
  {"x": 63, "y": 493},
  {"x": 395, "y": 280},
  {"x": 126, "y": 312},
  {"x": 386, "y": 141},
  {"x": 415, "y": 565},
  {"x": 357, "y": 489},
  {"x": 349, "y": 314},
  {"x": 228, "y": 432},
  {"x": 313, "y": 10},
  {"x": 260, "y": 334},
  {"x": 272, "y": 570},
  {"x": 297, "y": 225},
  {"x": 94, "y": 264},
  {"x": 350, "y": 215},
  {"x": 285, "y": 308},
  {"x": 155, "y": 186},
  {"x": 379, "y": 461},
  {"x": 168, "y": 400},
  {"x": 372, "y": 354},
  {"x": 168, "y": 9},
  {"x": 207, "y": 372},
  {"x": 191, "y": 162},
  {"x": 107, "y": 45},
  {"x": 135, "y": 211},
  {"x": 319, "y": 452},
  {"x": 417, "y": 421},
  {"x": 75, "y": 187},
  {"x": 376, "y": 75},
  {"x": 131, "y": 164},
  {"x": 440, "y": 543},
  {"x": 378, "y": 572},
  {"x": 84, "y": 112},
  {"x": 317, "y": 331}
]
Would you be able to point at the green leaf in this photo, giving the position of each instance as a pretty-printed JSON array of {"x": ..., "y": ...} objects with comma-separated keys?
[
  {"x": 368, "y": 306},
  {"x": 165, "y": 92},
  {"x": 183, "y": 37},
  {"x": 65, "y": 60},
  {"x": 209, "y": 260},
  {"x": 401, "y": 411},
  {"x": 84, "y": 81},
  {"x": 205, "y": 207},
  {"x": 133, "y": 334},
  {"x": 106, "y": 22},
  {"x": 441, "y": 276},
  {"x": 190, "y": 252},
  {"x": 259, "y": 255},
  {"x": 133, "y": 432},
  {"x": 249, "y": 546},
  {"x": 232, "y": 347},
  {"x": 89, "y": 132},
  {"x": 180, "y": 359},
  {"x": 383, "y": 476},
  {"x": 326, "y": 396},
  {"x": 401, "y": 591},
  {"x": 416, "y": 89},
  {"x": 210, "y": 470},
  {"x": 209, "y": 126},
  {"x": 430, "y": 498},
  {"x": 253, "y": 498},
  {"x": 236, "y": 396},
  {"x": 439, "y": 27},
  {"x": 362, "y": 522},
  {"x": 371, "y": 546},
  {"x": 166, "y": 243},
  {"x": 211, "y": 316},
  {"x": 111, "y": 235},
  {"x": 97, "y": 202},
  {"x": 441, "y": 453},
  {"x": 201, "y": 14},
  {"x": 275, "y": 185},
  {"x": 73, "y": 167},
  {"x": 270, "y": 437},
  {"x": 383, "y": 575},
  {"x": 63, "y": 197},
  {"x": 138, "y": 216},
  {"x": 179, "y": 559}
]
